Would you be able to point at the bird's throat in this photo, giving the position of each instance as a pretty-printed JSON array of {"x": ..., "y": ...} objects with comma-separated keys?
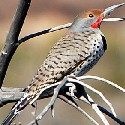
[{"x": 97, "y": 23}]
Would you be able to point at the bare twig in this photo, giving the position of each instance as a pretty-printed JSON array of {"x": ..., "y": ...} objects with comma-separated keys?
[
  {"x": 79, "y": 109},
  {"x": 44, "y": 32},
  {"x": 103, "y": 80},
  {"x": 98, "y": 112}
]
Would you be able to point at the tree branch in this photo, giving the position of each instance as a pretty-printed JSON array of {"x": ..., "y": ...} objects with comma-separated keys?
[
  {"x": 11, "y": 42},
  {"x": 103, "y": 110},
  {"x": 9, "y": 95},
  {"x": 44, "y": 32}
]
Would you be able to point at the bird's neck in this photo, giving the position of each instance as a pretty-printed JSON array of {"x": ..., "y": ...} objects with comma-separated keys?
[
  {"x": 78, "y": 29},
  {"x": 80, "y": 25}
]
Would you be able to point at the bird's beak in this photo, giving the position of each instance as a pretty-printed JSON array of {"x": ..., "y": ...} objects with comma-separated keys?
[
  {"x": 105, "y": 13},
  {"x": 108, "y": 10},
  {"x": 113, "y": 19}
]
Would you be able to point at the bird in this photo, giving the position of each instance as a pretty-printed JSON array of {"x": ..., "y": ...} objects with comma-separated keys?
[{"x": 75, "y": 53}]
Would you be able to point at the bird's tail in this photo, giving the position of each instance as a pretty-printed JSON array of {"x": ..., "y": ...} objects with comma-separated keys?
[
  {"x": 17, "y": 108},
  {"x": 9, "y": 119},
  {"x": 28, "y": 98}
]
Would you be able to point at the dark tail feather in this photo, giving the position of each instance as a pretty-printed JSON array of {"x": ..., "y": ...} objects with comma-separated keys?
[
  {"x": 9, "y": 119},
  {"x": 21, "y": 104}
]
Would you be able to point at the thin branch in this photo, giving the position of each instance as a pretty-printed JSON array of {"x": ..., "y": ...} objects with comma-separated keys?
[
  {"x": 44, "y": 32},
  {"x": 98, "y": 112},
  {"x": 94, "y": 90},
  {"x": 79, "y": 109},
  {"x": 103, "y": 110},
  {"x": 10, "y": 89},
  {"x": 103, "y": 80},
  {"x": 12, "y": 38}
]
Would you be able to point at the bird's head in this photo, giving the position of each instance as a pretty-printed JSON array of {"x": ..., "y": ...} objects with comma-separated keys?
[{"x": 92, "y": 18}]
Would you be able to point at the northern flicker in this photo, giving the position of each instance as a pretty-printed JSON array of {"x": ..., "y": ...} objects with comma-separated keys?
[{"x": 75, "y": 53}]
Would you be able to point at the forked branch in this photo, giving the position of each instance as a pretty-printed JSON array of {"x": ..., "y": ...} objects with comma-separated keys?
[{"x": 97, "y": 108}]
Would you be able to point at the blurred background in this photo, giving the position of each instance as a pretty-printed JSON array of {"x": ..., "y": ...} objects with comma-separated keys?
[{"x": 30, "y": 55}]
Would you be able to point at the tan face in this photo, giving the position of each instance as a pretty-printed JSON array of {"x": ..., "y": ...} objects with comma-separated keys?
[{"x": 92, "y": 13}]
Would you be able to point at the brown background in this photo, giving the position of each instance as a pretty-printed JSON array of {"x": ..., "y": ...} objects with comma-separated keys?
[{"x": 29, "y": 56}]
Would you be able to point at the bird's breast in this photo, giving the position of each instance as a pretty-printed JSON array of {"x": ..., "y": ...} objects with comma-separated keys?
[{"x": 95, "y": 49}]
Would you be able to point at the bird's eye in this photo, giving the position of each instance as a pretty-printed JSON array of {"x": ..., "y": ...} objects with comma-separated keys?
[{"x": 91, "y": 15}]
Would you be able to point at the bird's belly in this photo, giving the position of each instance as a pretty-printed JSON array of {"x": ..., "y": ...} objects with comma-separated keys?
[{"x": 88, "y": 63}]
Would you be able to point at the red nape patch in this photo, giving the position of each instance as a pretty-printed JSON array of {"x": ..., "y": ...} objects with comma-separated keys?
[{"x": 97, "y": 23}]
